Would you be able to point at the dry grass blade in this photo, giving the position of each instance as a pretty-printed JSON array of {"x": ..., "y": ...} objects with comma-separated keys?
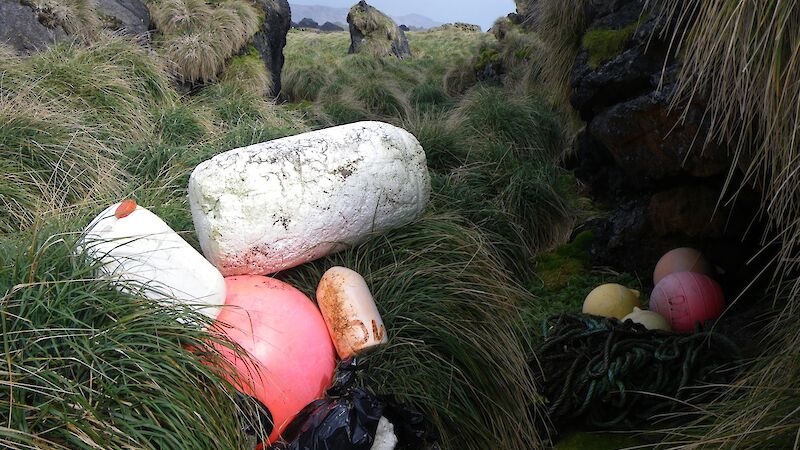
[
  {"x": 744, "y": 57},
  {"x": 198, "y": 36}
]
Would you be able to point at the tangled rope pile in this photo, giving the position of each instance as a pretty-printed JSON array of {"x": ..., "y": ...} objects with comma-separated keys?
[{"x": 611, "y": 374}]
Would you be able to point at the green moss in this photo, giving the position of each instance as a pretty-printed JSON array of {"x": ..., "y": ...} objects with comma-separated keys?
[
  {"x": 563, "y": 278},
  {"x": 602, "y": 45},
  {"x": 557, "y": 268}
]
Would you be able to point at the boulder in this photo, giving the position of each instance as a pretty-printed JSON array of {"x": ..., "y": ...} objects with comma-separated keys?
[
  {"x": 642, "y": 136},
  {"x": 271, "y": 39},
  {"x": 129, "y": 17},
  {"x": 688, "y": 211},
  {"x": 21, "y": 28},
  {"x": 278, "y": 204},
  {"x": 374, "y": 32}
]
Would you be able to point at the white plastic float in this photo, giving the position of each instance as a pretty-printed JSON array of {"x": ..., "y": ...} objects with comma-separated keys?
[
  {"x": 142, "y": 253},
  {"x": 278, "y": 204},
  {"x": 353, "y": 320}
]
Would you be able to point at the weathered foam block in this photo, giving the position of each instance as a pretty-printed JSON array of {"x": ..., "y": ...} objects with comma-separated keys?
[
  {"x": 140, "y": 252},
  {"x": 385, "y": 438},
  {"x": 278, "y": 204}
]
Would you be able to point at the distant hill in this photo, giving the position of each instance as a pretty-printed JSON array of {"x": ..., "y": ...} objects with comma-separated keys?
[
  {"x": 322, "y": 14},
  {"x": 416, "y": 21}
]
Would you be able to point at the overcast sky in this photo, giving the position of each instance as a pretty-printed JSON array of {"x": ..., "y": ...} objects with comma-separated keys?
[{"x": 479, "y": 12}]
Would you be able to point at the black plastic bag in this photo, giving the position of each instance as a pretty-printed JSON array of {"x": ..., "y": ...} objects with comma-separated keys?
[{"x": 347, "y": 418}]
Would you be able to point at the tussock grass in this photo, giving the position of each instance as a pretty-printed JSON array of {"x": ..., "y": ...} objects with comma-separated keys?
[
  {"x": 89, "y": 367},
  {"x": 65, "y": 117},
  {"x": 381, "y": 99},
  {"x": 742, "y": 57},
  {"x": 446, "y": 144},
  {"x": 317, "y": 70},
  {"x": 452, "y": 314},
  {"x": 460, "y": 78},
  {"x": 527, "y": 123},
  {"x": 560, "y": 25},
  {"x": 113, "y": 84},
  {"x": 248, "y": 72},
  {"x": 49, "y": 160},
  {"x": 77, "y": 17},
  {"x": 199, "y": 36}
]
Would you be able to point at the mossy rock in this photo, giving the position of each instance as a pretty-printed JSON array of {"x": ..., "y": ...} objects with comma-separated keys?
[
  {"x": 604, "y": 44},
  {"x": 488, "y": 57},
  {"x": 375, "y": 33}
]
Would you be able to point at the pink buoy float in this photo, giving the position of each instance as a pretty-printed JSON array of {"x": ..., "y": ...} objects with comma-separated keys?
[
  {"x": 685, "y": 298},
  {"x": 288, "y": 340},
  {"x": 682, "y": 259}
]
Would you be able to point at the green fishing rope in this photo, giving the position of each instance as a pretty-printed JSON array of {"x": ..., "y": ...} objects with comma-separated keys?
[{"x": 614, "y": 375}]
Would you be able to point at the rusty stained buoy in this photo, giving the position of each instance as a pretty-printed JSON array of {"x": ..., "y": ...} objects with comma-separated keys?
[{"x": 350, "y": 312}]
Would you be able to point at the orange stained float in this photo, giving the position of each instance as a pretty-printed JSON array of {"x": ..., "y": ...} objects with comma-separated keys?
[{"x": 294, "y": 358}]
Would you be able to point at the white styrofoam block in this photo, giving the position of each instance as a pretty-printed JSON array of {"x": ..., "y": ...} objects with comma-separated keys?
[
  {"x": 278, "y": 204},
  {"x": 142, "y": 253},
  {"x": 385, "y": 439}
]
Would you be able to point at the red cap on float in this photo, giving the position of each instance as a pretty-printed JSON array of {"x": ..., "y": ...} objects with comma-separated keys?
[{"x": 125, "y": 208}]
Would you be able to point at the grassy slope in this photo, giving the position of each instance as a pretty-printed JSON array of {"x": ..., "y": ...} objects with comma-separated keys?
[
  {"x": 449, "y": 285},
  {"x": 492, "y": 157}
]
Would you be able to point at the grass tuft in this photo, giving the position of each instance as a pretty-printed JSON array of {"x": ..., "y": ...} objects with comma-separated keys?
[
  {"x": 90, "y": 367},
  {"x": 452, "y": 314},
  {"x": 198, "y": 36}
]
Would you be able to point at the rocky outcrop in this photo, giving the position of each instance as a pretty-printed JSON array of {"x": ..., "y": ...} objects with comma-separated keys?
[
  {"x": 21, "y": 29},
  {"x": 372, "y": 31},
  {"x": 32, "y": 26},
  {"x": 271, "y": 39},
  {"x": 129, "y": 17},
  {"x": 644, "y": 158},
  {"x": 459, "y": 26}
]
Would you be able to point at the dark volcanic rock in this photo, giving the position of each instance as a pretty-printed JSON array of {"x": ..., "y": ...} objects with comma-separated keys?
[
  {"x": 688, "y": 211},
  {"x": 642, "y": 136},
  {"x": 622, "y": 78},
  {"x": 271, "y": 39},
  {"x": 308, "y": 23},
  {"x": 375, "y": 32},
  {"x": 329, "y": 27},
  {"x": 21, "y": 29},
  {"x": 643, "y": 156},
  {"x": 129, "y": 17}
]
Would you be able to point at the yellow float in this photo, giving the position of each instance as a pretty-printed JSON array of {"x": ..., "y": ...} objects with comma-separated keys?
[{"x": 611, "y": 300}]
